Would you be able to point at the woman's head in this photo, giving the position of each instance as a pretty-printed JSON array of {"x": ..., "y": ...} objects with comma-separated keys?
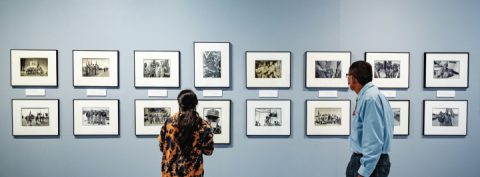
[{"x": 187, "y": 100}]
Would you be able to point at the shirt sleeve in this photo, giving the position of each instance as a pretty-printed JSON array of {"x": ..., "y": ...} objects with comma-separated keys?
[
  {"x": 372, "y": 140},
  {"x": 161, "y": 137},
  {"x": 207, "y": 141}
]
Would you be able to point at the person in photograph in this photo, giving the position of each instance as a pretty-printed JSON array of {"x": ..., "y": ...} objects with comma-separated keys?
[
  {"x": 184, "y": 138},
  {"x": 372, "y": 126}
]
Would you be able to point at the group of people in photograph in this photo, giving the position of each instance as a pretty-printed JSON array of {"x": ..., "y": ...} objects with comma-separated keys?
[
  {"x": 387, "y": 69},
  {"x": 32, "y": 67},
  {"x": 442, "y": 69},
  {"x": 156, "y": 68},
  {"x": 267, "y": 69},
  {"x": 40, "y": 119},
  {"x": 444, "y": 118},
  {"x": 327, "y": 119},
  {"x": 153, "y": 116},
  {"x": 93, "y": 69},
  {"x": 96, "y": 117}
]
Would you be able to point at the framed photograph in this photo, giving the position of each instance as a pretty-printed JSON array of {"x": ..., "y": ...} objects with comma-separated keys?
[
  {"x": 95, "y": 68},
  {"x": 212, "y": 64},
  {"x": 268, "y": 117},
  {"x": 33, "y": 67},
  {"x": 218, "y": 114},
  {"x": 268, "y": 69},
  {"x": 401, "y": 116},
  {"x": 328, "y": 117},
  {"x": 326, "y": 69},
  {"x": 35, "y": 117},
  {"x": 445, "y": 117},
  {"x": 446, "y": 70},
  {"x": 96, "y": 117},
  {"x": 150, "y": 115},
  {"x": 390, "y": 69},
  {"x": 157, "y": 68}
]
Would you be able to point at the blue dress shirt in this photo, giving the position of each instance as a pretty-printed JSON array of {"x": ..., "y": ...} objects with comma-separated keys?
[{"x": 372, "y": 128}]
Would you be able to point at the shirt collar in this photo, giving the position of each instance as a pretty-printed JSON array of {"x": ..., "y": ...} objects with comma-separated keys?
[{"x": 365, "y": 88}]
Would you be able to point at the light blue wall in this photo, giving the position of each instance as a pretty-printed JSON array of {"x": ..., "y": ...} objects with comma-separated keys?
[{"x": 358, "y": 26}]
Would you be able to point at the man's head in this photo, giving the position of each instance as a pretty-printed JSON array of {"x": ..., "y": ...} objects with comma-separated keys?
[{"x": 359, "y": 74}]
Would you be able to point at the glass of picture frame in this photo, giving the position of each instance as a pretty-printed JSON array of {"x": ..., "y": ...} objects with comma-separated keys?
[
  {"x": 401, "y": 116},
  {"x": 156, "y": 68},
  {"x": 95, "y": 68},
  {"x": 445, "y": 117},
  {"x": 150, "y": 115},
  {"x": 327, "y": 117},
  {"x": 218, "y": 114},
  {"x": 33, "y": 67},
  {"x": 212, "y": 64},
  {"x": 326, "y": 69},
  {"x": 268, "y": 117},
  {"x": 446, "y": 69},
  {"x": 96, "y": 117},
  {"x": 390, "y": 69},
  {"x": 35, "y": 117},
  {"x": 268, "y": 69}
]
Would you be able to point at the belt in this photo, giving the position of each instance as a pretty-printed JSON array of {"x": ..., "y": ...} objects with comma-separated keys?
[{"x": 361, "y": 155}]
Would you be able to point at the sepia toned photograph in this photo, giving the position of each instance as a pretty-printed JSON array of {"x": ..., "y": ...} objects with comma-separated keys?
[
  {"x": 328, "y": 117},
  {"x": 396, "y": 116},
  {"x": 156, "y": 68},
  {"x": 95, "y": 116},
  {"x": 445, "y": 117},
  {"x": 212, "y": 62},
  {"x": 35, "y": 117},
  {"x": 156, "y": 116},
  {"x": 446, "y": 69},
  {"x": 34, "y": 67},
  {"x": 95, "y": 67},
  {"x": 268, "y": 117},
  {"x": 328, "y": 69},
  {"x": 268, "y": 69},
  {"x": 387, "y": 69},
  {"x": 213, "y": 117}
]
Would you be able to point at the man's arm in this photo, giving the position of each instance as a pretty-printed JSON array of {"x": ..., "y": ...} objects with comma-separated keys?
[{"x": 373, "y": 136}]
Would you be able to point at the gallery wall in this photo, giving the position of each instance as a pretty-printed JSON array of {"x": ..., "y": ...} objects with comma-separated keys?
[{"x": 267, "y": 25}]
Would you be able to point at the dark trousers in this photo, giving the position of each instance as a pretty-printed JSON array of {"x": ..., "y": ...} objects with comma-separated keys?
[{"x": 381, "y": 170}]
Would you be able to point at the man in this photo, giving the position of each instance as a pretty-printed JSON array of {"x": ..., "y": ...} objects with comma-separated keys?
[{"x": 372, "y": 126}]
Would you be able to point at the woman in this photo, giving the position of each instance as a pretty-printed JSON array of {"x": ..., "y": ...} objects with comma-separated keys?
[{"x": 184, "y": 138}]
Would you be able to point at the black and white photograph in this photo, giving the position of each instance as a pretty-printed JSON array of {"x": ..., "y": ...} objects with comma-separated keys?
[
  {"x": 37, "y": 67},
  {"x": 326, "y": 69},
  {"x": 386, "y": 69},
  {"x": 268, "y": 69},
  {"x": 327, "y": 117},
  {"x": 156, "y": 116},
  {"x": 401, "y": 116},
  {"x": 95, "y": 67},
  {"x": 446, "y": 69},
  {"x": 33, "y": 67},
  {"x": 212, "y": 64},
  {"x": 217, "y": 113},
  {"x": 150, "y": 115},
  {"x": 396, "y": 117},
  {"x": 445, "y": 117},
  {"x": 268, "y": 117},
  {"x": 390, "y": 69},
  {"x": 95, "y": 117},
  {"x": 213, "y": 117},
  {"x": 35, "y": 117},
  {"x": 157, "y": 68}
]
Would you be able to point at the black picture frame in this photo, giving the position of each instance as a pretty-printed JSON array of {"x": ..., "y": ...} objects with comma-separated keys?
[
  {"x": 230, "y": 119},
  {"x": 425, "y": 79},
  {"x": 36, "y": 135},
  {"x": 445, "y": 134},
  {"x": 267, "y": 86},
  {"x": 93, "y": 85},
  {"x": 339, "y": 135},
  {"x": 229, "y": 78},
  {"x": 332, "y": 52},
  {"x": 34, "y": 85},
  {"x": 409, "y": 117},
  {"x": 93, "y": 134},
  {"x": 390, "y": 85},
  {"x": 135, "y": 115},
  {"x": 269, "y": 135},
  {"x": 164, "y": 86}
]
